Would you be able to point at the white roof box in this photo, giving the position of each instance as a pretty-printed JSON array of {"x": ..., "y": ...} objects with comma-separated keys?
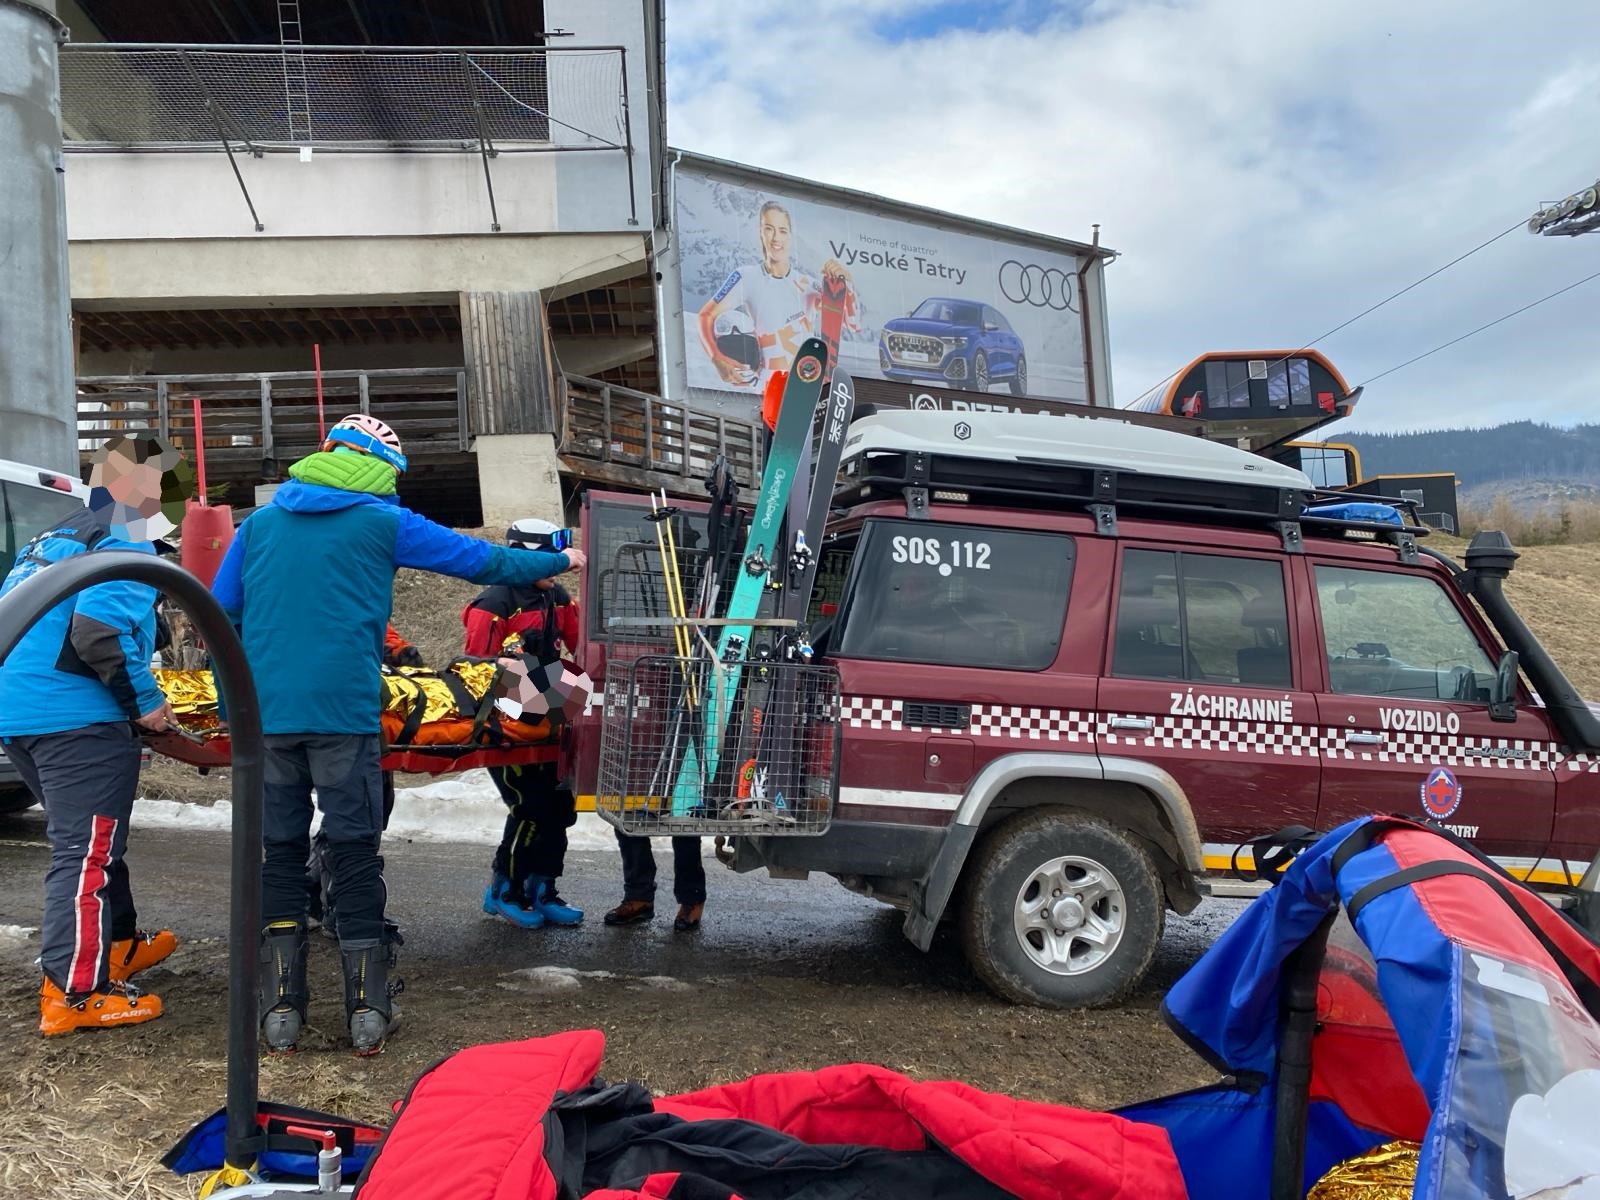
[
  {"x": 1039, "y": 458},
  {"x": 1043, "y": 438}
]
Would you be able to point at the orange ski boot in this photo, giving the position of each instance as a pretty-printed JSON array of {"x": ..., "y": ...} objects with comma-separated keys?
[
  {"x": 119, "y": 1004},
  {"x": 140, "y": 952}
]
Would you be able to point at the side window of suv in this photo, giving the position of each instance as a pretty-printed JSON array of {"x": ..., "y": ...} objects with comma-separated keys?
[
  {"x": 1202, "y": 618},
  {"x": 956, "y": 595},
  {"x": 1389, "y": 634}
]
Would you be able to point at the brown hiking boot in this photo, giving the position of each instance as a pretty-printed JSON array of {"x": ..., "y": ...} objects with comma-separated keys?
[
  {"x": 119, "y": 1004},
  {"x": 140, "y": 952},
  {"x": 688, "y": 918},
  {"x": 631, "y": 912}
]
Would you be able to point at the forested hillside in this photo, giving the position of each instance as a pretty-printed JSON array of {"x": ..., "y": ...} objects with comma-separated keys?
[{"x": 1518, "y": 450}]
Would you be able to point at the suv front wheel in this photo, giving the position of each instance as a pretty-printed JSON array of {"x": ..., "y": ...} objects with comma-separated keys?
[{"x": 1061, "y": 909}]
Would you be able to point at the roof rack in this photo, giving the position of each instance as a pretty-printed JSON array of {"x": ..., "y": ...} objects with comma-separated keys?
[{"x": 909, "y": 456}]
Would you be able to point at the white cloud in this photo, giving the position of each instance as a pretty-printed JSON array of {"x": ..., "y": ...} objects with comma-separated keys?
[{"x": 1266, "y": 169}]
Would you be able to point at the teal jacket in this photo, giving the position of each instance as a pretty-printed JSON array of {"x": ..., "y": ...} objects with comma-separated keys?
[
  {"x": 87, "y": 660},
  {"x": 309, "y": 583}
]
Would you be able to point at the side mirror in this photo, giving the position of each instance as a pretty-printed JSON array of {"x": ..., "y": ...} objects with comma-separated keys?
[
  {"x": 1503, "y": 696},
  {"x": 990, "y": 327}
]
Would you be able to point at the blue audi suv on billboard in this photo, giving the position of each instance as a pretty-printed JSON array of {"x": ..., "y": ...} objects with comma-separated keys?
[{"x": 959, "y": 343}]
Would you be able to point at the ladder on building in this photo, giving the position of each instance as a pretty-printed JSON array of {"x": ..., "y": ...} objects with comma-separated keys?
[{"x": 296, "y": 88}]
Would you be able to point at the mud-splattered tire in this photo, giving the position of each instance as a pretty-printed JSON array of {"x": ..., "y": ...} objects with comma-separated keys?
[{"x": 1061, "y": 909}]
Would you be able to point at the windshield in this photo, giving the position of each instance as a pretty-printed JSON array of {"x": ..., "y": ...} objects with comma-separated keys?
[{"x": 949, "y": 312}]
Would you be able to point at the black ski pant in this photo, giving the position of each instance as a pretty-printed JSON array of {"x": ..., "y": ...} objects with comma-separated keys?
[
  {"x": 318, "y": 873},
  {"x": 344, "y": 770},
  {"x": 86, "y": 780},
  {"x": 539, "y": 813},
  {"x": 639, "y": 870}
]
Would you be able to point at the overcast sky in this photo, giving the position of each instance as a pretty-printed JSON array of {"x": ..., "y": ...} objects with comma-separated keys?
[{"x": 1265, "y": 168}]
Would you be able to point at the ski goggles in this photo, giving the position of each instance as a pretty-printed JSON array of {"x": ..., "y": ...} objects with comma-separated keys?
[
  {"x": 557, "y": 541},
  {"x": 359, "y": 439}
]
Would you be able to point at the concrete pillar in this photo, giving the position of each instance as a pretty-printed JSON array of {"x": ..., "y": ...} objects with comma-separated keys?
[
  {"x": 38, "y": 397},
  {"x": 518, "y": 476},
  {"x": 511, "y": 397}
]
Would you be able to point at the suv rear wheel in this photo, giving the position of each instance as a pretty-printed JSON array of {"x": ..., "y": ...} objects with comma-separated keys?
[{"x": 1061, "y": 909}]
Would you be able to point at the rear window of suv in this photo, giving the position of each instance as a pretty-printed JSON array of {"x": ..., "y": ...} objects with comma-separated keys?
[
  {"x": 957, "y": 595},
  {"x": 1202, "y": 618}
]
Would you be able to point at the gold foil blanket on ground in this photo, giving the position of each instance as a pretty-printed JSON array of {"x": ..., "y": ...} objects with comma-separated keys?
[{"x": 1386, "y": 1172}]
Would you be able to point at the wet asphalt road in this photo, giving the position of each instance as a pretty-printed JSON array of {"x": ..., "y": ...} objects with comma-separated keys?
[{"x": 813, "y": 930}]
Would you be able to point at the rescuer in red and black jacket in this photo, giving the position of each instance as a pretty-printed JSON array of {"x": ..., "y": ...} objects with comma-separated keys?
[{"x": 540, "y": 620}]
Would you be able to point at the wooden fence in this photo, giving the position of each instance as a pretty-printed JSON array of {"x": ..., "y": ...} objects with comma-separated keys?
[{"x": 613, "y": 434}]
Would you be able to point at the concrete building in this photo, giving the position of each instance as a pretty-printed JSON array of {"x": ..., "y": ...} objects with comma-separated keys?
[{"x": 467, "y": 215}]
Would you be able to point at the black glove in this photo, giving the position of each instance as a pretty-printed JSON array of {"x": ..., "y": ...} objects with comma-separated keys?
[{"x": 409, "y": 657}]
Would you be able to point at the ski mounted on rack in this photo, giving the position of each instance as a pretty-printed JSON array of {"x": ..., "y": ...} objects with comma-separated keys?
[
  {"x": 806, "y": 553},
  {"x": 763, "y": 555},
  {"x": 767, "y": 777}
]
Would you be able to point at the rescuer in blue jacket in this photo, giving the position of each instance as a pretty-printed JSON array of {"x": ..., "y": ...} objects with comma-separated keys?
[
  {"x": 74, "y": 695},
  {"x": 309, "y": 580}
]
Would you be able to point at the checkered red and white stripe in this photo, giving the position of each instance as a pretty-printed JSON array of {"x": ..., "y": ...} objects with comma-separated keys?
[
  {"x": 1219, "y": 735},
  {"x": 1014, "y": 722}
]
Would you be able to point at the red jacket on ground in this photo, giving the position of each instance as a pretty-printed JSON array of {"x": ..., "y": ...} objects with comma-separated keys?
[{"x": 475, "y": 1126}]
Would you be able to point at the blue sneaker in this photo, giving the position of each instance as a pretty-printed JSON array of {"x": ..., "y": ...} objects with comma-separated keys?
[
  {"x": 556, "y": 910},
  {"x": 498, "y": 887},
  {"x": 500, "y": 901}
]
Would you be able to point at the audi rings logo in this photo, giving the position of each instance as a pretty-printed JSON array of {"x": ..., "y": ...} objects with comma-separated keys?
[{"x": 1041, "y": 287}]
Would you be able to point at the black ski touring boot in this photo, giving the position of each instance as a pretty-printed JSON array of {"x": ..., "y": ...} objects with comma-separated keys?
[
  {"x": 284, "y": 992},
  {"x": 368, "y": 991}
]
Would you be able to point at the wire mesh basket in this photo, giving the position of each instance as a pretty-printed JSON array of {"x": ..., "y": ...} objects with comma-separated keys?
[{"x": 691, "y": 746}]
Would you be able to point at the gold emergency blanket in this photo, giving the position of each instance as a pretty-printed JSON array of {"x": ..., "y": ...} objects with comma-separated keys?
[
  {"x": 193, "y": 694},
  {"x": 1387, "y": 1172},
  {"x": 405, "y": 688}
]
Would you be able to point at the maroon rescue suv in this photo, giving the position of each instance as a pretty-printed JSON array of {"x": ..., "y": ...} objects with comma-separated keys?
[{"x": 1066, "y": 701}]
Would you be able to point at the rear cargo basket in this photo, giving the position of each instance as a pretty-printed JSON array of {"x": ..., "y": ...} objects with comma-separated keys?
[
  {"x": 777, "y": 754},
  {"x": 777, "y": 759}
]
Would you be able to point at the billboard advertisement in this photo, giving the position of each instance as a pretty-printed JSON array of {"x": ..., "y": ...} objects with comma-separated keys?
[{"x": 903, "y": 301}]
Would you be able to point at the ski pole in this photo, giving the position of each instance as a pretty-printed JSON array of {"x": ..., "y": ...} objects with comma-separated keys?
[
  {"x": 680, "y": 634},
  {"x": 676, "y": 583}
]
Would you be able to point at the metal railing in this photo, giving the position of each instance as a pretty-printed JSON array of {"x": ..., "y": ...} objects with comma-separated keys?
[
  {"x": 618, "y": 435},
  {"x": 140, "y": 97},
  {"x": 254, "y": 421}
]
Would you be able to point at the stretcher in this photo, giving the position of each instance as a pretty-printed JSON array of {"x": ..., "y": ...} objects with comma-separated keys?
[{"x": 434, "y": 722}]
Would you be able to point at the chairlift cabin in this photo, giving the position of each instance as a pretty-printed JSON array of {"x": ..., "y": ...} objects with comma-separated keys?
[{"x": 1255, "y": 399}]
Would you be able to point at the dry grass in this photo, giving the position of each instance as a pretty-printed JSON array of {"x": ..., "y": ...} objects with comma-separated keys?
[
  {"x": 1557, "y": 591},
  {"x": 1569, "y": 522},
  {"x": 68, "y": 1149}
]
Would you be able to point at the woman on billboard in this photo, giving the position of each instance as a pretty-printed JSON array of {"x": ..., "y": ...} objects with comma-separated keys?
[{"x": 782, "y": 304}]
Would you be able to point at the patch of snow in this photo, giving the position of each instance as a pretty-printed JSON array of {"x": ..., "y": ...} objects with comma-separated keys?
[
  {"x": 545, "y": 980},
  {"x": 176, "y": 814},
  {"x": 550, "y": 979},
  {"x": 16, "y": 933},
  {"x": 666, "y": 983},
  {"x": 465, "y": 809}
]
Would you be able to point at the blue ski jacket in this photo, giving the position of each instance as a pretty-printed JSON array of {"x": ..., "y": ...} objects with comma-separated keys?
[
  {"x": 309, "y": 583},
  {"x": 86, "y": 661}
]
